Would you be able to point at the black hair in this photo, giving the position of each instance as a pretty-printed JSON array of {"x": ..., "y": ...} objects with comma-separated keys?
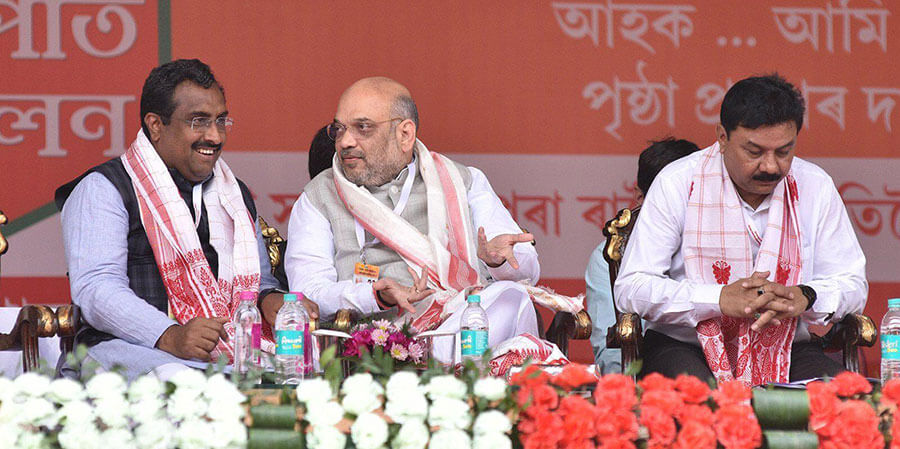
[
  {"x": 158, "y": 94},
  {"x": 658, "y": 155},
  {"x": 321, "y": 152},
  {"x": 761, "y": 101}
]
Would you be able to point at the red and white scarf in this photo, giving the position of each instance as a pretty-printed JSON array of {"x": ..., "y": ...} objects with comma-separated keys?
[
  {"x": 191, "y": 287},
  {"x": 716, "y": 249}
]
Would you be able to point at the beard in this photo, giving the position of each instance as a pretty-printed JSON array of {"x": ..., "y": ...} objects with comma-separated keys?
[{"x": 372, "y": 170}]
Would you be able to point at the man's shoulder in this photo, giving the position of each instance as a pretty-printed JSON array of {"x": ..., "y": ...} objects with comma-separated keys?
[
  {"x": 808, "y": 172},
  {"x": 324, "y": 181},
  {"x": 113, "y": 171},
  {"x": 680, "y": 170}
]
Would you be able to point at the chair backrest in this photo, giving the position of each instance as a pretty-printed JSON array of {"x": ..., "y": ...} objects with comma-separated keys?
[
  {"x": 275, "y": 246},
  {"x": 3, "y": 245},
  {"x": 617, "y": 232}
]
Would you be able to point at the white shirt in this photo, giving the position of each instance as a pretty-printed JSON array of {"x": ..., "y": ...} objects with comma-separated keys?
[
  {"x": 309, "y": 258},
  {"x": 652, "y": 281}
]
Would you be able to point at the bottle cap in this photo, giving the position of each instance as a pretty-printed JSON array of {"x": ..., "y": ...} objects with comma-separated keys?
[
  {"x": 474, "y": 298},
  {"x": 290, "y": 297},
  {"x": 248, "y": 295},
  {"x": 894, "y": 302}
]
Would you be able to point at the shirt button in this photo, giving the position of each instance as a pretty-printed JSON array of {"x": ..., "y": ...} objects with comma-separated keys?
[{"x": 395, "y": 189}]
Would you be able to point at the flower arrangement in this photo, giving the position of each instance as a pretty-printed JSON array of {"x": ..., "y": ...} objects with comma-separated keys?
[
  {"x": 841, "y": 415},
  {"x": 192, "y": 411},
  {"x": 384, "y": 336}
]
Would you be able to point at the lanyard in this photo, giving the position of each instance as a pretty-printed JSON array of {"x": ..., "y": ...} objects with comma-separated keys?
[
  {"x": 197, "y": 197},
  {"x": 398, "y": 209}
]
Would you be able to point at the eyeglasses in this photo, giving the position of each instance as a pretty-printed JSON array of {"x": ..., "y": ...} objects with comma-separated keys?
[
  {"x": 360, "y": 129},
  {"x": 201, "y": 124}
]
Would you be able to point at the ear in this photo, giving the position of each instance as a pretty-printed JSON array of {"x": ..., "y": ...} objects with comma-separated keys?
[
  {"x": 721, "y": 136},
  {"x": 406, "y": 135},
  {"x": 154, "y": 125}
]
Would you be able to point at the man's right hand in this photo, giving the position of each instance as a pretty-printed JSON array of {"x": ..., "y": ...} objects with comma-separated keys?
[
  {"x": 741, "y": 299},
  {"x": 393, "y": 293},
  {"x": 195, "y": 339}
]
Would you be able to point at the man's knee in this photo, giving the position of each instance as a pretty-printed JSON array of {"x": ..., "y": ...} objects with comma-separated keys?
[{"x": 670, "y": 357}]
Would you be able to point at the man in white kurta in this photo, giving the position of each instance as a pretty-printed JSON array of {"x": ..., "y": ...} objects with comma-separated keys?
[
  {"x": 756, "y": 144},
  {"x": 380, "y": 167}
]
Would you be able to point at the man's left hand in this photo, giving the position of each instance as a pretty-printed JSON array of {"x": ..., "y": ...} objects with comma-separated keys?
[
  {"x": 271, "y": 304},
  {"x": 500, "y": 248},
  {"x": 775, "y": 292}
]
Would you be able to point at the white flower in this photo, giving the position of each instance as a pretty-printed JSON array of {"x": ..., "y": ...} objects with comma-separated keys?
[
  {"x": 154, "y": 434},
  {"x": 446, "y": 387},
  {"x": 76, "y": 414},
  {"x": 490, "y": 388},
  {"x": 185, "y": 404},
  {"x": 401, "y": 384},
  {"x": 105, "y": 385},
  {"x": 145, "y": 388},
  {"x": 228, "y": 434},
  {"x": 493, "y": 440},
  {"x": 7, "y": 389},
  {"x": 382, "y": 324},
  {"x": 9, "y": 433},
  {"x": 193, "y": 433},
  {"x": 65, "y": 390},
  {"x": 412, "y": 407},
  {"x": 412, "y": 435},
  {"x": 189, "y": 379},
  {"x": 361, "y": 394},
  {"x": 31, "y": 384},
  {"x": 325, "y": 437},
  {"x": 314, "y": 390},
  {"x": 491, "y": 421},
  {"x": 449, "y": 414},
  {"x": 450, "y": 439},
  {"x": 28, "y": 440},
  {"x": 112, "y": 411},
  {"x": 75, "y": 437},
  {"x": 38, "y": 412},
  {"x": 117, "y": 438},
  {"x": 369, "y": 431},
  {"x": 324, "y": 414},
  {"x": 218, "y": 388},
  {"x": 149, "y": 409}
]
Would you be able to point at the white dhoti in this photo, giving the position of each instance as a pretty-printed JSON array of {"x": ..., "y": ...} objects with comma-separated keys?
[{"x": 510, "y": 313}]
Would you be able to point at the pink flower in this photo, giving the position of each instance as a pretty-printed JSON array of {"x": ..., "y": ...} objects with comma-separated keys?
[
  {"x": 416, "y": 352},
  {"x": 382, "y": 324},
  {"x": 398, "y": 338},
  {"x": 399, "y": 352},
  {"x": 380, "y": 337}
]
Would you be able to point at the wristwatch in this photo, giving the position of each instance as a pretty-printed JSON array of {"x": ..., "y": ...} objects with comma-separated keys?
[{"x": 810, "y": 295}]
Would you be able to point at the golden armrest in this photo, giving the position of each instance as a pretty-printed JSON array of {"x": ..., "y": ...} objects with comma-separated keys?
[
  {"x": 33, "y": 322},
  {"x": 3, "y": 245}
]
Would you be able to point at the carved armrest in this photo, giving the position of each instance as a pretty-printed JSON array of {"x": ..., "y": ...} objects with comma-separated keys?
[
  {"x": 33, "y": 322},
  {"x": 854, "y": 330},
  {"x": 3, "y": 245},
  {"x": 626, "y": 333}
]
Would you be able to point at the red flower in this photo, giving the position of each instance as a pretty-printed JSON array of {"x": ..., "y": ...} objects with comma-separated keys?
[
  {"x": 848, "y": 384},
  {"x": 695, "y": 435},
  {"x": 668, "y": 401},
  {"x": 890, "y": 393},
  {"x": 660, "y": 425},
  {"x": 656, "y": 381},
  {"x": 573, "y": 376},
  {"x": 692, "y": 389},
  {"x": 895, "y": 434},
  {"x": 691, "y": 413},
  {"x": 531, "y": 376},
  {"x": 615, "y": 391},
  {"x": 737, "y": 428},
  {"x": 541, "y": 397},
  {"x": 732, "y": 392},
  {"x": 616, "y": 424},
  {"x": 547, "y": 432},
  {"x": 617, "y": 443},
  {"x": 823, "y": 406},
  {"x": 856, "y": 426},
  {"x": 579, "y": 417}
]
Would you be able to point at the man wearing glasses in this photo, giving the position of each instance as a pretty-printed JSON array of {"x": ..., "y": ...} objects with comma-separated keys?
[
  {"x": 394, "y": 227},
  {"x": 161, "y": 241}
]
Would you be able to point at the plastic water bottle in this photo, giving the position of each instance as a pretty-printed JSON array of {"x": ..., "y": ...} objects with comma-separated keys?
[
  {"x": 290, "y": 326},
  {"x": 473, "y": 330},
  {"x": 247, "y": 330},
  {"x": 890, "y": 342}
]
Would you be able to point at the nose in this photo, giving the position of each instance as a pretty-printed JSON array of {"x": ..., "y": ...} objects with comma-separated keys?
[
  {"x": 214, "y": 134},
  {"x": 768, "y": 163},
  {"x": 346, "y": 140}
]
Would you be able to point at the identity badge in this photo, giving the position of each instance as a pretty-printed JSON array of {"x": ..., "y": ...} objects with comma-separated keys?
[{"x": 365, "y": 273}]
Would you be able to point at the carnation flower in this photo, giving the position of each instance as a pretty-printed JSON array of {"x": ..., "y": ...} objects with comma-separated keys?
[
  {"x": 361, "y": 394},
  {"x": 9, "y": 432},
  {"x": 156, "y": 433},
  {"x": 660, "y": 424},
  {"x": 185, "y": 404},
  {"x": 573, "y": 376},
  {"x": 412, "y": 407},
  {"x": 111, "y": 411},
  {"x": 29, "y": 440},
  {"x": 737, "y": 428},
  {"x": 449, "y": 414},
  {"x": 412, "y": 435},
  {"x": 7, "y": 389},
  {"x": 401, "y": 384},
  {"x": 695, "y": 435},
  {"x": 491, "y": 421},
  {"x": 37, "y": 412},
  {"x": 380, "y": 337},
  {"x": 117, "y": 438},
  {"x": 30, "y": 384},
  {"x": 732, "y": 392},
  {"x": 145, "y": 388},
  {"x": 315, "y": 390},
  {"x": 447, "y": 386},
  {"x": 416, "y": 352},
  {"x": 492, "y": 440},
  {"x": 75, "y": 414},
  {"x": 450, "y": 439},
  {"x": 399, "y": 352},
  {"x": 78, "y": 437},
  {"x": 65, "y": 390},
  {"x": 324, "y": 413},
  {"x": 325, "y": 437},
  {"x": 579, "y": 418},
  {"x": 666, "y": 400},
  {"x": 490, "y": 388},
  {"x": 189, "y": 379},
  {"x": 847, "y": 384},
  {"x": 692, "y": 389},
  {"x": 222, "y": 391},
  {"x": 228, "y": 434},
  {"x": 369, "y": 431},
  {"x": 106, "y": 384},
  {"x": 529, "y": 377},
  {"x": 656, "y": 381},
  {"x": 193, "y": 433},
  {"x": 616, "y": 392}
]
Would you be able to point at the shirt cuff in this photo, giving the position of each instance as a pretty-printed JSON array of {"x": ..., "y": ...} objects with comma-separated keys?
[
  {"x": 824, "y": 308},
  {"x": 705, "y": 298},
  {"x": 503, "y": 272}
]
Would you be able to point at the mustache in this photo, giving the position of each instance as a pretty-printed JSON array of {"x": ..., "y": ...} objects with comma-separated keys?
[
  {"x": 351, "y": 153},
  {"x": 768, "y": 177},
  {"x": 206, "y": 143}
]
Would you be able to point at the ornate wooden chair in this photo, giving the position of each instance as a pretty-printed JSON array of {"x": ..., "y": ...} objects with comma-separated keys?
[
  {"x": 852, "y": 332},
  {"x": 564, "y": 327}
]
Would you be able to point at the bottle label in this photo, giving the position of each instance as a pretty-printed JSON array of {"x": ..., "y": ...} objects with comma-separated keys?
[
  {"x": 255, "y": 342},
  {"x": 890, "y": 347},
  {"x": 289, "y": 342},
  {"x": 474, "y": 342}
]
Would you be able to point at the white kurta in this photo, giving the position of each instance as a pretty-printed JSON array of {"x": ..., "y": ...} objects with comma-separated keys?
[
  {"x": 309, "y": 265},
  {"x": 652, "y": 280}
]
